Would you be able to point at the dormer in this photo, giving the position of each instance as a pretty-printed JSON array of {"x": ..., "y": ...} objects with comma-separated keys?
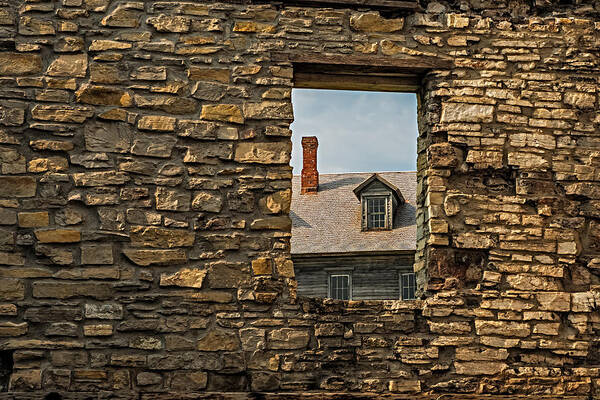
[{"x": 379, "y": 200}]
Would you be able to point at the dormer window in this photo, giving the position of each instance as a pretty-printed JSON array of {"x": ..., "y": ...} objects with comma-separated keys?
[
  {"x": 379, "y": 200},
  {"x": 376, "y": 213}
]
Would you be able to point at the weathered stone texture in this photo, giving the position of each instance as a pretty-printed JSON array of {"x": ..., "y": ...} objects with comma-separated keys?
[{"x": 145, "y": 192}]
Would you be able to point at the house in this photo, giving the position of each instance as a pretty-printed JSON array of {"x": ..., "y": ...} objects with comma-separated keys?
[{"x": 353, "y": 234}]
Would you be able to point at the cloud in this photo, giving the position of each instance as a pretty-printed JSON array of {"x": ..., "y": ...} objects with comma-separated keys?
[{"x": 357, "y": 131}]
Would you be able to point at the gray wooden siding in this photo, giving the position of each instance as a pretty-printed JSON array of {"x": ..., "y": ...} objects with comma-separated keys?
[{"x": 373, "y": 277}]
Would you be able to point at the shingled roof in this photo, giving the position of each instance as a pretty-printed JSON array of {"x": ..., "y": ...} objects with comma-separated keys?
[{"x": 329, "y": 221}]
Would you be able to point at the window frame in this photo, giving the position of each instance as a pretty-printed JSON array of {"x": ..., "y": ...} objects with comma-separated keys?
[
  {"x": 365, "y": 211},
  {"x": 401, "y": 285},
  {"x": 330, "y": 288}
]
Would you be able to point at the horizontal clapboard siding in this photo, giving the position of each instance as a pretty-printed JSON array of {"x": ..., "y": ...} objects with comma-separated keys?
[{"x": 373, "y": 277}]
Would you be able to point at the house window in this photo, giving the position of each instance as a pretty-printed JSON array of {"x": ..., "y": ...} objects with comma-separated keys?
[
  {"x": 340, "y": 287},
  {"x": 376, "y": 212},
  {"x": 408, "y": 286}
]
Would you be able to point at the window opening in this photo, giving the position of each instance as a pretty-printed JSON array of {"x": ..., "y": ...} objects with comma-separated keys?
[
  {"x": 408, "y": 285},
  {"x": 376, "y": 212},
  {"x": 340, "y": 287},
  {"x": 357, "y": 209}
]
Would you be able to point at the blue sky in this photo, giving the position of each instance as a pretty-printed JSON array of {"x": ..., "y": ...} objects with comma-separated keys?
[{"x": 357, "y": 131}]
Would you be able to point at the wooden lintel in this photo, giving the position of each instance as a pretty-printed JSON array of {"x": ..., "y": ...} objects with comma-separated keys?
[
  {"x": 411, "y": 63},
  {"x": 356, "y": 82},
  {"x": 402, "y": 6}
]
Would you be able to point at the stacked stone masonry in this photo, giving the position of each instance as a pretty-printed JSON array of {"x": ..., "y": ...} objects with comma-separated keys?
[{"x": 145, "y": 192}]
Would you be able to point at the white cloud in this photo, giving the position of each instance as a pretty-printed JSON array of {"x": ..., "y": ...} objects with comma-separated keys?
[{"x": 357, "y": 131}]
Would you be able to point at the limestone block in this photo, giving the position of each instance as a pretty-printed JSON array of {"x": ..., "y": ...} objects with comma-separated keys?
[
  {"x": 475, "y": 368},
  {"x": 207, "y": 201},
  {"x": 31, "y": 26},
  {"x": 288, "y": 338},
  {"x": 218, "y": 340},
  {"x": 374, "y": 22},
  {"x": 102, "y": 178},
  {"x": 104, "y": 311},
  {"x": 157, "y": 123},
  {"x": 554, "y": 301},
  {"x": 99, "y": 254},
  {"x": 502, "y": 328},
  {"x": 155, "y": 257},
  {"x": 34, "y": 219},
  {"x": 58, "y": 236},
  {"x": 268, "y": 110},
  {"x": 165, "y": 23},
  {"x": 263, "y": 153},
  {"x": 103, "y": 96},
  {"x": 150, "y": 236},
  {"x": 253, "y": 27},
  {"x": 62, "y": 290},
  {"x": 69, "y": 65},
  {"x": 186, "y": 277},
  {"x": 462, "y": 112},
  {"x": 172, "y": 199},
  {"x": 11, "y": 289},
  {"x": 61, "y": 113},
  {"x": 222, "y": 112},
  {"x": 209, "y": 74},
  {"x": 20, "y": 63}
]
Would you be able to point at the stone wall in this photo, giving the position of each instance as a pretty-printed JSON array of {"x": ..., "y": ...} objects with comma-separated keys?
[{"x": 145, "y": 188}]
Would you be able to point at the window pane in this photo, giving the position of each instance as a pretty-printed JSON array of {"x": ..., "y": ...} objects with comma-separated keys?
[
  {"x": 340, "y": 287},
  {"x": 376, "y": 212},
  {"x": 409, "y": 286}
]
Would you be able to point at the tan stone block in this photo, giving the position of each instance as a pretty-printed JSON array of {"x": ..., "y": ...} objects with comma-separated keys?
[
  {"x": 11, "y": 259},
  {"x": 189, "y": 381},
  {"x": 549, "y": 328},
  {"x": 155, "y": 257},
  {"x": 263, "y": 153},
  {"x": 480, "y": 354},
  {"x": 25, "y": 380},
  {"x": 209, "y": 74},
  {"x": 31, "y": 26},
  {"x": 8, "y": 329},
  {"x": 58, "y": 236},
  {"x": 20, "y": 64},
  {"x": 269, "y": 110},
  {"x": 33, "y": 219},
  {"x": 172, "y": 199},
  {"x": 473, "y": 240},
  {"x": 288, "y": 338},
  {"x": 502, "y": 328},
  {"x": 374, "y": 22},
  {"x": 462, "y": 112},
  {"x": 98, "y": 330},
  {"x": 61, "y": 113},
  {"x": 404, "y": 386},
  {"x": 284, "y": 267},
  {"x": 98, "y": 254},
  {"x": 262, "y": 266},
  {"x": 218, "y": 340},
  {"x": 150, "y": 236},
  {"x": 52, "y": 145},
  {"x": 187, "y": 277},
  {"x": 103, "y": 96},
  {"x": 580, "y": 100},
  {"x": 71, "y": 65},
  {"x": 165, "y": 23},
  {"x": 121, "y": 17},
  {"x": 276, "y": 203},
  {"x": 101, "y": 178},
  {"x": 102, "y": 45},
  {"x": 457, "y": 21},
  {"x": 554, "y": 301},
  {"x": 222, "y": 112},
  {"x": 61, "y": 290},
  {"x": 475, "y": 368},
  {"x": 253, "y": 27},
  {"x": 283, "y": 223},
  {"x": 52, "y": 164},
  {"x": 157, "y": 123},
  {"x": 11, "y": 289},
  {"x": 207, "y": 201},
  {"x": 17, "y": 186},
  {"x": 450, "y": 328}
]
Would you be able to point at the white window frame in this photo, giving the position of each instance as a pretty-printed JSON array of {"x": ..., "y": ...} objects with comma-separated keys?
[
  {"x": 366, "y": 199},
  {"x": 402, "y": 286},
  {"x": 337, "y": 274}
]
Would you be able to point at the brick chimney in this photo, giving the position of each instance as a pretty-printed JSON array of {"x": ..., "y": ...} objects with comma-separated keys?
[{"x": 310, "y": 175}]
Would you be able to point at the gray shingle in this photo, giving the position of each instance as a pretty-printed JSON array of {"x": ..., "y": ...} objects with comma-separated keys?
[{"x": 330, "y": 220}]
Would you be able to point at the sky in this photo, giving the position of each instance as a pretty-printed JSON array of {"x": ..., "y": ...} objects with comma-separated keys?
[{"x": 357, "y": 131}]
